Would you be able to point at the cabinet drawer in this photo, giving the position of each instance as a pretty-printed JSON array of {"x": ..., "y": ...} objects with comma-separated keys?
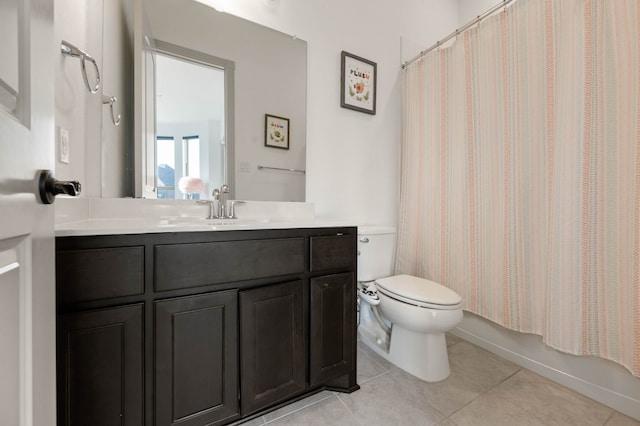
[
  {"x": 93, "y": 274},
  {"x": 178, "y": 266},
  {"x": 332, "y": 252}
]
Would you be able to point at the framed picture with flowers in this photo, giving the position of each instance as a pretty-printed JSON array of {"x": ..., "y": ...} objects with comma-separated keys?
[
  {"x": 276, "y": 132},
  {"x": 358, "y": 88}
]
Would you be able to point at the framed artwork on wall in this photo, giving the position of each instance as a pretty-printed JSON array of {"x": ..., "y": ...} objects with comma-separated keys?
[
  {"x": 358, "y": 84},
  {"x": 276, "y": 132}
]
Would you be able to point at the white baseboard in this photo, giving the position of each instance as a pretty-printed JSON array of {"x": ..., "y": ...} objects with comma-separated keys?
[{"x": 599, "y": 379}]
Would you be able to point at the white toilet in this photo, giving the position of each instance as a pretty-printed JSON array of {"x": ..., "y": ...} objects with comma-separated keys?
[{"x": 403, "y": 318}]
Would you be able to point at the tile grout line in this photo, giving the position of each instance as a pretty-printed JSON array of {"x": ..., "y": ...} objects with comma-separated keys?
[
  {"x": 347, "y": 408},
  {"x": 484, "y": 393},
  {"x": 609, "y": 418},
  {"x": 514, "y": 402},
  {"x": 375, "y": 377}
]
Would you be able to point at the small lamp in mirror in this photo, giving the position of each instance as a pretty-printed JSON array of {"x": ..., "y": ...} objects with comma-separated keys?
[{"x": 191, "y": 186}]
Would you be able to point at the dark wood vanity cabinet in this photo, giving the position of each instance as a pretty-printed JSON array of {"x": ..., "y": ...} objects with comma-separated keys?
[
  {"x": 196, "y": 359},
  {"x": 331, "y": 334},
  {"x": 272, "y": 344},
  {"x": 202, "y": 328},
  {"x": 100, "y": 373}
]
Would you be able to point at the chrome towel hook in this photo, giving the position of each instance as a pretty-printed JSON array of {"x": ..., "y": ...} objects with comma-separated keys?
[
  {"x": 111, "y": 100},
  {"x": 70, "y": 50}
]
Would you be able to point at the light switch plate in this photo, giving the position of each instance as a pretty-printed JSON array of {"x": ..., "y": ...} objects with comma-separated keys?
[{"x": 63, "y": 146}]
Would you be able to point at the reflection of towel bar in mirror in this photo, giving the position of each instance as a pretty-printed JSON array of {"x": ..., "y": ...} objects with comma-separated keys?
[
  {"x": 111, "y": 100},
  {"x": 280, "y": 168},
  {"x": 70, "y": 50}
]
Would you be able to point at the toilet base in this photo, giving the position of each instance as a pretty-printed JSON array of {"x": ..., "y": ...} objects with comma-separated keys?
[
  {"x": 422, "y": 355},
  {"x": 427, "y": 359}
]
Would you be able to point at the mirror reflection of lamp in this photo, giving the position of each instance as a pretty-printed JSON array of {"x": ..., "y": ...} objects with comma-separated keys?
[{"x": 190, "y": 186}]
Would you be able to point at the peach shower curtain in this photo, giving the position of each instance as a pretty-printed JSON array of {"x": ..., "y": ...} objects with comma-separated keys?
[{"x": 521, "y": 173}]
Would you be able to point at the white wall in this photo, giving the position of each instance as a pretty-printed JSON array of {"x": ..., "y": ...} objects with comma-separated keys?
[
  {"x": 100, "y": 154},
  {"x": 79, "y": 112},
  {"x": 353, "y": 158},
  {"x": 470, "y": 9},
  {"x": 117, "y": 141}
]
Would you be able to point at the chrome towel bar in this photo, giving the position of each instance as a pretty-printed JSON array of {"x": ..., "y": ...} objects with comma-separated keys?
[
  {"x": 69, "y": 49},
  {"x": 280, "y": 168}
]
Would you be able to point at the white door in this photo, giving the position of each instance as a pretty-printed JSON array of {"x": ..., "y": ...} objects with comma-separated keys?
[{"x": 27, "y": 280}]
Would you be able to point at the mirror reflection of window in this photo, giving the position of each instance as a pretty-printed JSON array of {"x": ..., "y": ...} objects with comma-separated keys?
[
  {"x": 191, "y": 154},
  {"x": 166, "y": 169},
  {"x": 190, "y": 110}
]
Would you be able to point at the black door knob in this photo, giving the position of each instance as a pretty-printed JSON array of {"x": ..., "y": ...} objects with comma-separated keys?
[{"x": 49, "y": 187}]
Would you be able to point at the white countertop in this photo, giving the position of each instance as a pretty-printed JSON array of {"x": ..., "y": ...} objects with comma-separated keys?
[
  {"x": 96, "y": 216},
  {"x": 144, "y": 226}
]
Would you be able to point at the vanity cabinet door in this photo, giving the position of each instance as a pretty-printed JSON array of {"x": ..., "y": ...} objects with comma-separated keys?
[
  {"x": 100, "y": 365},
  {"x": 196, "y": 359},
  {"x": 332, "y": 327},
  {"x": 273, "y": 355}
]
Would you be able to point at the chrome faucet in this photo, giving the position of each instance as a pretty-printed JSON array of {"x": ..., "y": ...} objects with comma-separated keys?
[
  {"x": 222, "y": 204},
  {"x": 220, "y": 199}
]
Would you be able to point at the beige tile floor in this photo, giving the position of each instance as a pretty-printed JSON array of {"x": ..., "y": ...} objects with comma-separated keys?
[{"x": 483, "y": 389}]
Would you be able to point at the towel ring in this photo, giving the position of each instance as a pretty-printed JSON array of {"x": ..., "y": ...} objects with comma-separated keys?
[
  {"x": 111, "y": 100},
  {"x": 70, "y": 50}
]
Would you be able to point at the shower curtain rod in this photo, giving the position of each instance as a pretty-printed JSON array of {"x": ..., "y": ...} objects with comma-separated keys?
[{"x": 479, "y": 18}]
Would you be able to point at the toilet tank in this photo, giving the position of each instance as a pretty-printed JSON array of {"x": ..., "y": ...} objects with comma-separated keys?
[{"x": 376, "y": 250}]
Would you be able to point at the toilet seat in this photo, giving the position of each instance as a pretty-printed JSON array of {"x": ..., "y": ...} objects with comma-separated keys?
[{"x": 419, "y": 292}]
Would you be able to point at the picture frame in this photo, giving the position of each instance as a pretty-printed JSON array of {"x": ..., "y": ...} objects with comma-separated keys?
[
  {"x": 358, "y": 83},
  {"x": 276, "y": 131}
]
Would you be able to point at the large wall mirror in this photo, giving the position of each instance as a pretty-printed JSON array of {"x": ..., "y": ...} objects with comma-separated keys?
[{"x": 269, "y": 78}]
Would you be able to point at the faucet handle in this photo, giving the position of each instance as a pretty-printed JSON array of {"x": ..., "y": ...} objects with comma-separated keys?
[
  {"x": 212, "y": 209},
  {"x": 224, "y": 189},
  {"x": 216, "y": 194},
  {"x": 232, "y": 209}
]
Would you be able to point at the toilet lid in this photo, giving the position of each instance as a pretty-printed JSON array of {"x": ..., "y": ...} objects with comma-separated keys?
[{"x": 419, "y": 291}]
